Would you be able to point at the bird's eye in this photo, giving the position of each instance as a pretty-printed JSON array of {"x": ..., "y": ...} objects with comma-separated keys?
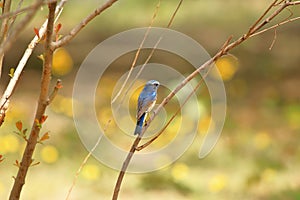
[{"x": 156, "y": 84}]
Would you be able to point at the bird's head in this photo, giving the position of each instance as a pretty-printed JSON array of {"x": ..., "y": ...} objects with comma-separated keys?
[{"x": 153, "y": 84}]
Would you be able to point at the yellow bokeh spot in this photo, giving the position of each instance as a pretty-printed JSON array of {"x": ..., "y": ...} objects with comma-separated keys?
[
  {"x": 218, "y": 183},
  {"x": 49, "y": 154},
  {"x": 91, "y": 172},
  {"x": 9, "y": 144},
  {"x": 62, "y": 105},
  {"x": 62, "y": 62},
  {"x": 2, "y": 188},
  {"x": 268, "y": 175},
  {"x": 179, "y": 171},
  {"x": 227, "y": 67},
  {"x": 262, "y": 140},
  {"x": 204, "y": 124}
]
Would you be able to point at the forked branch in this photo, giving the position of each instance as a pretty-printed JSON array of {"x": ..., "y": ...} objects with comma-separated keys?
[
  {"x": 66, "y": 39},
  {"x": 260, "y": 23}
]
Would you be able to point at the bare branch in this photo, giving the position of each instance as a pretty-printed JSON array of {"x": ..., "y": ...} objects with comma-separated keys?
[
  {"x": 137, "y": 54},
  {"x": 4, "y": 101},
  {"x": 174, "y": 14},
  {"x": 141, "y": 69},
  {"x": 124, "y": 167},
  {"x": 275, "y": 26},
  {"x": 224, "y": 50},
  {"x": 83, "y": 163},
  {"x": 55, "y": 90},
  {"x": 274, "y": 39},
  {"x": 42, "y": 105},
  {"x": 293, "y": 3},
  {"x": 262, "y": 16},
  {"x": 66, "y": 39}
]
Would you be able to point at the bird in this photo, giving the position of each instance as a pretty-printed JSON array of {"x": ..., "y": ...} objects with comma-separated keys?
[{"x": 146, "y": 102}]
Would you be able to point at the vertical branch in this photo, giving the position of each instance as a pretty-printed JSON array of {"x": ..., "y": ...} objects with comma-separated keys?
[
  {"x": 42, "y": 105},
  {"x": 125, "y": 165}
]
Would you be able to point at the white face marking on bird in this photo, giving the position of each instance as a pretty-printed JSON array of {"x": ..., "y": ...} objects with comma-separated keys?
[{"x": 153, "y": 83}]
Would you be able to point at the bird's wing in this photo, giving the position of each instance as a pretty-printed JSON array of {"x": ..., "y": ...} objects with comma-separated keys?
[{"x": 145, "y": 106}]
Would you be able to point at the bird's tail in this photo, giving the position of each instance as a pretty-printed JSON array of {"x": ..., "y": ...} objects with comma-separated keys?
[{"x": 139, "y": 124}]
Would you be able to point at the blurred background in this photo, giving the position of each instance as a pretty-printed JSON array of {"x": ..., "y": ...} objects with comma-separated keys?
[{"x": 258, "y": 153}]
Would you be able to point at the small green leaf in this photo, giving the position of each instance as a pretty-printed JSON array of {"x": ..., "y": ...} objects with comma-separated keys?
[
  {"x": 11, "y": 72},
  {"x": 41, "y": 57}
]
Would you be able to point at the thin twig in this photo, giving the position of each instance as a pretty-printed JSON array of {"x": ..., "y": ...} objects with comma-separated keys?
[
  {"x": 137, "y": 53},
  {"x": 83, "y": 163},
  {"x": 293, "y": 3},
  {"x": 42, "y": 105},
  {"x": 275, "y": 26},
  {"x": 274, "y": 39},
  {"x": 174, "y": 14},
  {"x": 280, "y": 2},
  {"x": 141, "y": 69},
  {"x": 154, "y": 48},
  {"x": 66, "y": 39},
  {"x": 58, "y": 86},
  {"x": 124, "y": 167},
  {"x": 262, "y": 16},
  {"x": 150, "y": 55}
]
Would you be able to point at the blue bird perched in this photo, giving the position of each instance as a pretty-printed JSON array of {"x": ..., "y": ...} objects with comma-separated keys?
[{"x": 146, "y": 103}]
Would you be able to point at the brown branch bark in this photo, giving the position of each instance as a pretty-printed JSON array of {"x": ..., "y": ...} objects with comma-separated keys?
[
  {"x": 125, "y": 165},
  {"x": 4, "y": 101},
  {"x": 258, "y": 24},
  {"x": 293, "y": 3},
  {"x": 66, "y": 39},
  {"x": 275, "y": 26},
  {"x": 42, "y": 105}
]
